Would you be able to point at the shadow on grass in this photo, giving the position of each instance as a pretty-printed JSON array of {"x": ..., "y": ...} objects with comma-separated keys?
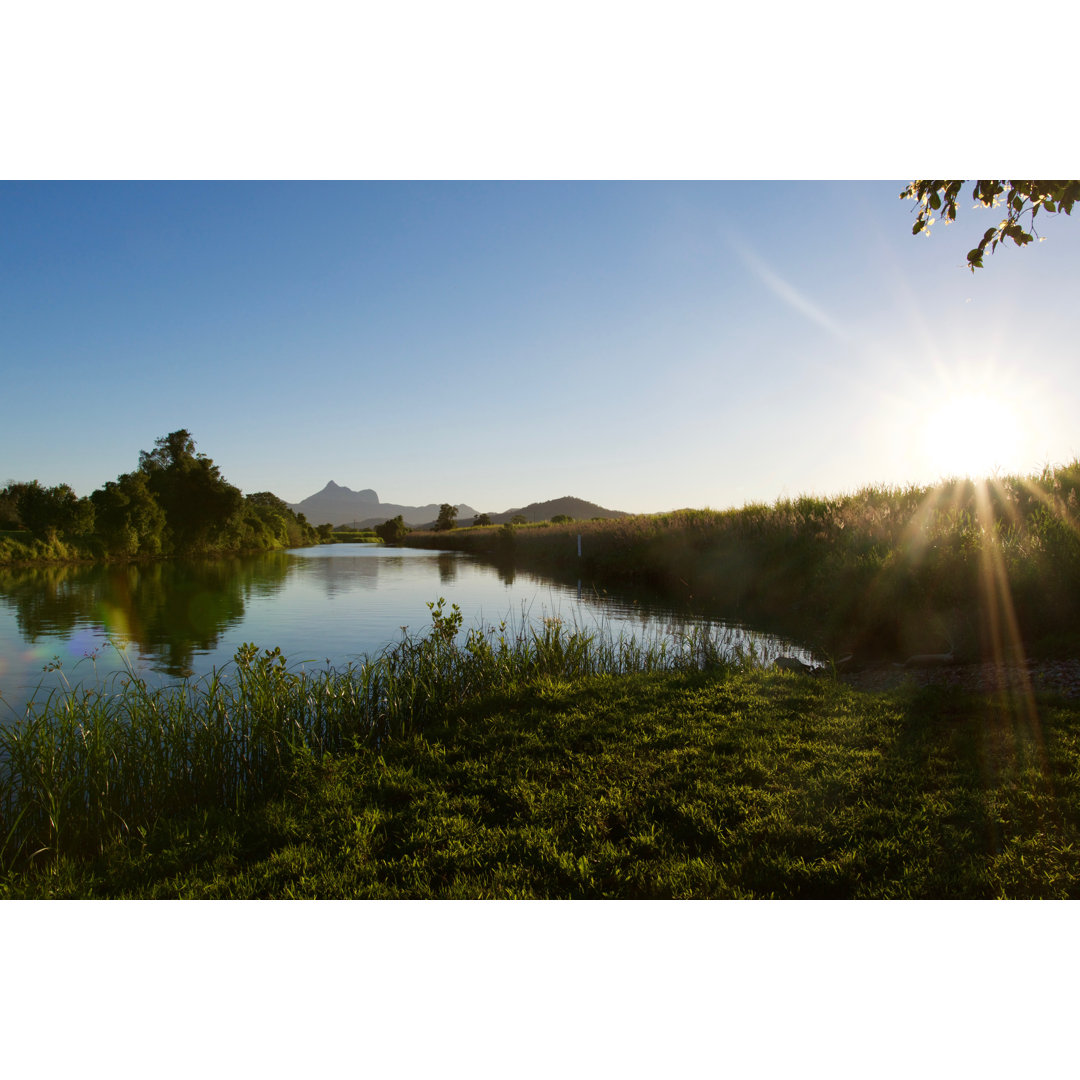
[{"x": 653, "y": 786}]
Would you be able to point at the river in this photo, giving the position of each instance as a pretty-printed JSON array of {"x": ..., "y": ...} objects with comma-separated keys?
[{"x": 324, "y": 605}]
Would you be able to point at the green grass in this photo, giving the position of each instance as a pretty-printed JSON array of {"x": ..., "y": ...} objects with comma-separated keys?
[
  {"x": 83, "y": 768},
  {"x": 355, "y": 536},
  {"x": 21, "y": 547},
  {"x": 721, "y": 784}
]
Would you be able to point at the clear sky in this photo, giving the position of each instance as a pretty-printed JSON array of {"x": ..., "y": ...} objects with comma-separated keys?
[{"x": 643, "y": 345}]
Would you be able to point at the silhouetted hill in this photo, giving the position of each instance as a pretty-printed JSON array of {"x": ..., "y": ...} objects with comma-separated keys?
[
  {"x": 342, "y": 506},
  {"x": 363, "y": 510},
  {"x": 578, "y": 509}
]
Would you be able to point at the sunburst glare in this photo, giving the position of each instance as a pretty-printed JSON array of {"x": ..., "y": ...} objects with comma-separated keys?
[{"x": 971, "y": 433}]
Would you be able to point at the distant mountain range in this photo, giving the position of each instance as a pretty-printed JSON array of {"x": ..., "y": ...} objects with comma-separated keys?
[
  {"x": 362, "y": 509},
  {"x": 343, "y": 506}
]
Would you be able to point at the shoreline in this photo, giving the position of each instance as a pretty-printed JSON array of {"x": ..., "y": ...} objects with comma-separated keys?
[{"x": 1035, "y": 675}]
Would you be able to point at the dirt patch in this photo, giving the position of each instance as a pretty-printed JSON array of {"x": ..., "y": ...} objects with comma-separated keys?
[{"x": 1055, "y": 676}]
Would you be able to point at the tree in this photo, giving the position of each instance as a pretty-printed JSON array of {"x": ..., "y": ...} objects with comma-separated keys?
[
  {"x": 519, "y": 519},
  {"x": 392, "y": 531},
  {"x": 49, "y": 511},
  {"x": 9, "y": 506},
  {"x": 269, "y": 522},
  {"x": 128, "y": 519},
  {"x": 481, "y": 519},
  {"x": 447, "y": 517},
  {"x": 170, "y": 451},
  {"x": 1018, "y": 197},
  {"x": 561, "y": 519},
  {"x": 199, "y": 503}
]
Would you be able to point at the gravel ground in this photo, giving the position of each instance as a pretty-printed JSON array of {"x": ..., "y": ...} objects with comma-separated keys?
[{"x": 1056, "y": 676}]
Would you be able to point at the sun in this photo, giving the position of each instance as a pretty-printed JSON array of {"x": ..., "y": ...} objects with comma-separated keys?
[{"x": 971, "y": 433}]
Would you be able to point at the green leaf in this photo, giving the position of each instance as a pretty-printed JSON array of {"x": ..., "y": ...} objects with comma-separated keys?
[{"x": 935, "y": 201}]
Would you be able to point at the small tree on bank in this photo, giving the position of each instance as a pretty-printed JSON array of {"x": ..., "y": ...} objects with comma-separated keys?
[
  {"x": 447, "y": 517},
  {"x": 392, "y": 531}
]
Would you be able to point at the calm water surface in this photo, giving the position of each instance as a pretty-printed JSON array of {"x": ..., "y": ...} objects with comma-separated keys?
[{"x": 331, "y": 604}]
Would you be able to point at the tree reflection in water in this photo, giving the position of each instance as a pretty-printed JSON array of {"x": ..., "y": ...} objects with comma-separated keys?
[{"x": 169, "y": 609}]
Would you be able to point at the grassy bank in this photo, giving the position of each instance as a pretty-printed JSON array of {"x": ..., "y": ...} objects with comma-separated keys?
[
  {"x": 81, "y": 768},
  {"x": 355, "y": 536},
  {"x": 647, "y": 786},
  {"x": 546, "y": 765},
  {"x": 20, "y": 549},
  {"x": 966, "y": 567}
]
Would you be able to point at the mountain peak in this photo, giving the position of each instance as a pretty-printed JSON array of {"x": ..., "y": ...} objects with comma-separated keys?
[{"x": 339, "y": 491}]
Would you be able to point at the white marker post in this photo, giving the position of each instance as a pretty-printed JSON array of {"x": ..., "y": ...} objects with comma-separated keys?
[{"x": 579, "y": 556}]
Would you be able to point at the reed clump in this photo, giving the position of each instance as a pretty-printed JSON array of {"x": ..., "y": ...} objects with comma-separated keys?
[
  {"x": 885, "y": 569},
  {"x": 81, "y": 768}
]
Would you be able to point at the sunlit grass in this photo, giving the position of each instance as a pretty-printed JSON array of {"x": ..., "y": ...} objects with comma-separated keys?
[{"x": 731, "y": 784}]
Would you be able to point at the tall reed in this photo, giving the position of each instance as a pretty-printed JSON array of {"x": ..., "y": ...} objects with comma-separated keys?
[
  {"x": 880, "y": 570},
  {"x": 81, "y": 767}
]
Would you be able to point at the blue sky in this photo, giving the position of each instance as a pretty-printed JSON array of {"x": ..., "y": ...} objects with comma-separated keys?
[{"x": 644, "y": 345}]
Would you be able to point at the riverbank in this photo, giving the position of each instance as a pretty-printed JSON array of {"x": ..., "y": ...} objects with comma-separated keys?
[
  {"x": 549, "y": 766},
  {"x": 974, "y": 569},
  {"x": 41, "y": 553}
]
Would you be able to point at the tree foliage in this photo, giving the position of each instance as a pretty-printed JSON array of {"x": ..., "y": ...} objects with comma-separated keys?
[
  {"x": 447, "y": 517},
  {"x": 199, "y": 503},
  {"x": 128, "y": 519},
  {"x": 175, "y": 503},
  {"x": 54, "y": 511},
  {"x": 392, "y": 531},
  {"x": 9, "y": 507},
  {"x": 1019, "y": 198},
  {"x": 482, "y": 519},
  {"x": 269, "y": 522}
]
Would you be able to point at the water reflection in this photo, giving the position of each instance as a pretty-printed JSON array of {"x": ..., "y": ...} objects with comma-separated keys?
[
  {"x": 341, "y": 575},
  {"x": 170, "y": 610},
  {"x": 330, "y": 605}
]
